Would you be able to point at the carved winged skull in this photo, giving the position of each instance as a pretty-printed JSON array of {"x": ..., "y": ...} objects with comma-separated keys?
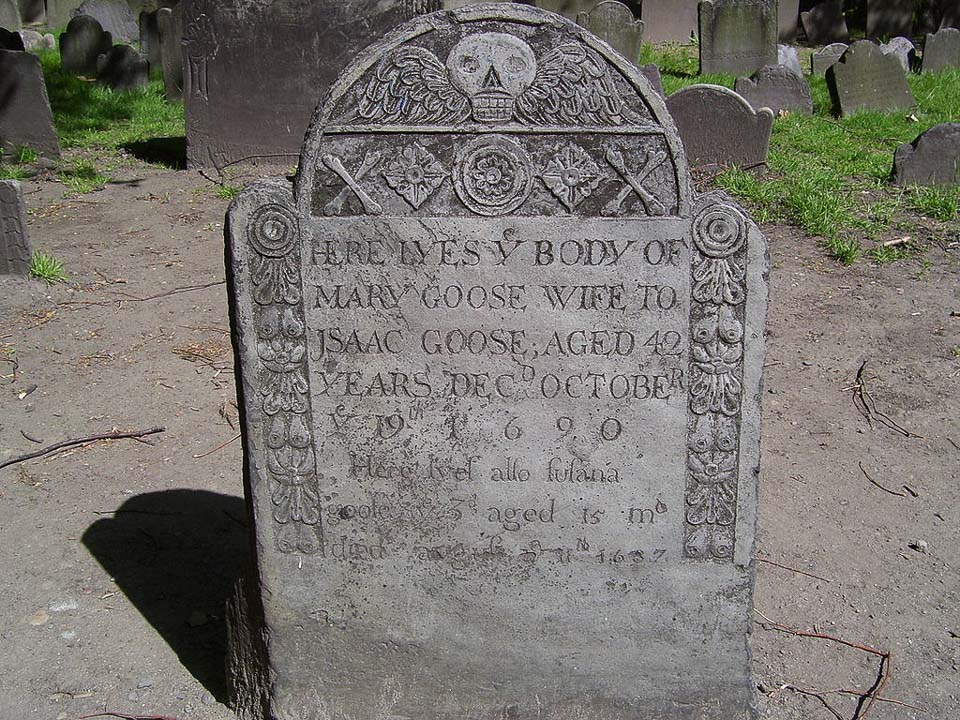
[{"x": 493, "y": 77}]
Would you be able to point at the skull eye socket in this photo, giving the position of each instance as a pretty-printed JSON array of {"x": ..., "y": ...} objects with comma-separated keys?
[
  {"x": 469, "y": 64},
  {"x": 515, "y": 64}
]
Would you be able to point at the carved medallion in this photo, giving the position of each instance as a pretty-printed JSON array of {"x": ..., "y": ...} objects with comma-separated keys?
[
  {"x": 571, "y": 175},
  {"x": 492, "y": 175}
]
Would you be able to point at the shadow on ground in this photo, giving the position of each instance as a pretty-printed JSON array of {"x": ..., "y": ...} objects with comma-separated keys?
[
  {"x": 176, "y": 555},
  {"x": 170, "y": 152}
]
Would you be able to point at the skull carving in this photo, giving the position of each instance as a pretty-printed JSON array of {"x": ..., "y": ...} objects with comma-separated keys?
[{"x": 492, "y": 69}]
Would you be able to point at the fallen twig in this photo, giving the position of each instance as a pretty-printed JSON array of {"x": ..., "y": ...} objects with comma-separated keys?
[
  {"x": 218, "y": 447},
  {"x": 886, "y": 490},
  {"x": 867, "y": 406},
  {"x": 124, "y": 716},
  {"x": 839, "y": 691},
  {"x": 30, "y": 437},
  {"x": 792, "y": 569},
  {"x": 133, "y": 298},
  {"x": 80, "y": 441}
]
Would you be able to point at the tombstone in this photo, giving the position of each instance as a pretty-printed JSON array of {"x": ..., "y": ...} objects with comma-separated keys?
[
  {"x": 719, "y": 127},
  {"x": 669, "y": 20},
  {"x": 123, "y": 68},
  {"x": 15, "y": 250},
  {"x": 788, "y": 14},
  {"x": 59, "y": 12},
  {"x": 170, "y": 31},
  {"x": 613, "y": 22},
  {"x": 949, "y": 14},
  {"x": 32, "y": 11},
  {"x": 115, "y": 16},
  {"x": 932, "y": 159},
  {"x": 825, "y": 57},
  {"x": 866, "y": 79},
  {"x": 10, "y": 15},
  {"x": 11, "y": 40},
  {"x": 652, "y": 73},
  {"x": 32, "y": 41},
  {"x": 941, "y": 51},
  {"x": 150, "y": 38},
  {"x": 776, "y": 87},
  {"x": 889, "y": 18},
  {"x": 787, "y": 56},
  {"x": 568, "y": 8},
  {"x": 81, "y": 44},
  {"x": 903, "y": 50},
  {"x": 462, "y": 529},
  {"x": 25, "y": 117},
  {"x": 824, "y": 23},
  {"x": 737, "y": 36}
]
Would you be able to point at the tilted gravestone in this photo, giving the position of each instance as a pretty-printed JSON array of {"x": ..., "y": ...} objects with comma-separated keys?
[
  {"x": 825, "y": 57},
  {"x": 170, "y": 28},
  {"x": 825, "y": 23},
  {"x": 123, "y": 68},
  {"x": 10, "y": 15},
  {"x": 941, "y": 51},
  {"x": 788, "y": 19},
  {"x": 776, "y": 87},
  {"x": 25, "y": 117},
  {"x": 11, "y": 40},
  {"x": 787, "y": 56},
  {"x": 249, "y": 84},
  {"x": 669, "y": 20},
  {"x": 889, "y": 18},
  {"x": 737, "y": 36},
  {"x": 719, "y": 127},
  {"x": 500, "y": 371},
  {"x": 932, "y": 159},
  {"x": 614, "y": 22},
  {"x": 15, "y": 250},
  {"x": 115, "y": 16},
  {"x": 903, "y": 49},
  {"x": 866, "y": 79},
  {"x": 82, "y": 43}
]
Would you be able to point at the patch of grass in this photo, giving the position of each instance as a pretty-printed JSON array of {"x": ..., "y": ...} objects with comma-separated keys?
[
  {"x": 25, "y": 155},
  {"x": 21, "y": 156},
  {"x": 47, "y": 268},
  {"x": 885, "y": 254},
  {"x": 844, "y": 250},
  {"x": 939, "y": 203},
  {"x": 227, "y": 191},
  {"x": 83, "y": 177}
]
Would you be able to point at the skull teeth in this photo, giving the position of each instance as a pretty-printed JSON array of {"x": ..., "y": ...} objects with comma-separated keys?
[{"x": 492, "y": 106}]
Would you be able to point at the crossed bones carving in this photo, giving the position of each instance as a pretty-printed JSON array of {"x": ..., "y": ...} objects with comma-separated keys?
[
  {"x": 370, "y": 206},
  {"x": 634, "y": 183}
]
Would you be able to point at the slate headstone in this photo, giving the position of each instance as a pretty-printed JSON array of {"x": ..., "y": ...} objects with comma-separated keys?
[
  {"x": 456, "y": 513},
  {"x": 889, "y": 18},
  {"x": 941, "y": 50},
  {"x": 824, "y": 23},
  {"x": 866, "y": 79},
  {"x": 10, "y": 15},
  {"x": 776, "y": 87},
  {"x": 32, "y": 40},
  {"x": 115, "y": 16},
  {"x": 669, "y": 20},
  {"x": 825, "y": 57},
  {"x": 123, "y": 68},
  {"x": 150, "y": 38},
  {"x": 652, "y": 73},
  {"x": 32, "y": 11},
  {"x": 787, "y": 56},
  {"x": 15, "y": 250},
  {"x": 82, "y": 43},
  {"x": 170, "y": 30},
  {"x": 737, "y": 36},
  {"x": 25, "y": 117},
  {"x": 613, "y": 22},
  {"x": 11, "y": 40},
  {"x": 932, "y": 159},
  {"x": 788, "y": 20},
  {"x": 903, "y": 49},
  {"x": 719, "y": 127}
]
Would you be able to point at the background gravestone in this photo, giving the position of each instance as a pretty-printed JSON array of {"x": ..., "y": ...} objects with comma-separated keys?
[
  {"x": 568, "y": 8},
  {"x": 787, "y": 56},
  {"x": 470, "y": 531},
  {"x": 737, "y": 36},
  {"x": 941, "y": 50},
  {"x": 719, "y": 127},
  {"x": 32, "y": 40},
  {"x": 788, "y": 19},
  {"x": 652, "y": 73},
  {"x": 25, "y": 117},
  {"x": 866, "y": 79},
  {"x": 11, "y": 40},
  {"x": 81, "y": 44},
  {"x": 949, "y": 14},
  {"x": 776, "y": 87},
  {"x": 114, "y": 16},
  {"x": 59, "y": 12},
  {"x": 889, "y": 18},
  {"x": 824, "y": 23},
  {"x": 825, "y": 57},
  {"x": 613, "y": 22},
  {"x": 170, "y": 31},
  {"x": 32, "y": 11},
  {"x": 10, "y": 15},
  {"x": 150, "y": 38},
  {"x": 932, "y": 159},
  {"x": 669, "y": 20},
  {"x": 15, "y": 250},
  {"x": 123, "y": 68},
  {"x": 903, "y": 50},
  {"x": 253, "y": 70}
]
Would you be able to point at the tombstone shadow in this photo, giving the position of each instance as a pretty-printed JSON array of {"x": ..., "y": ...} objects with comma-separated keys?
[
  {"x": 176, "y": 554},
  {"x": 171, "y": 152}
]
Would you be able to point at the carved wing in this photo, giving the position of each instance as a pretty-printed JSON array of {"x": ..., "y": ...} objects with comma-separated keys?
[
  {"x": 572, "y": 86},
  {"x": 412, "y": 85}
]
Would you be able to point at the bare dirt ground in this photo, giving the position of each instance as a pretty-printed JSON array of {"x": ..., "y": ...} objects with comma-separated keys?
[{"x": 117, "y": 555}]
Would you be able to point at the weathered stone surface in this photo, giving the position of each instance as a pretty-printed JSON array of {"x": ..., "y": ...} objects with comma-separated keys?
[
  {"x": 737, "y": 36},
  {"x": 32, "y": 40},
  {"x": 932, "y": 159},
  {"x": 788, "y": 20},
  {"x": 613, "y": 22},
  {"x": 670, "y": 20},
  {"x": 889, "y": 18},
  {"x": 170, "y": 29},
  {"x": 719, "y": 127},
  {"x": 15, "y": 250},
  {"x": 787, "y": 56},
  {"x": 776, "y": 87},
  {"x": 10, "y": 15},
  {"x": 949, "y": 14},
  {"x": 11, "y": 40},
  {"x": 568, "y": 8},
  {"x": 114, "y": 16},
  {"x": 249, "y": 87},
  {"x": 457, "y": 483},
  {"x": 941, "y": 50},
  {"x": 82, "y": 43},
  {"x": 150, "y": 37},
  {"x": 25, "y": 117},
  {"x": 123, "y": 68},
  {"x": 825, "y": 57},
  {"x": 652, "y": 73},
  {"x": 903, "y": 50},
  {"x": 59, "y": 12},
  {"x": 824, "y": 23},
  {"x": 32, "y": 11},
  {"x": 866, "y": 79}
]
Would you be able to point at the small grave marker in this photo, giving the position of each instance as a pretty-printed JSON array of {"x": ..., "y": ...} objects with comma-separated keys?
[
  {"x": 825, "y": 23},
  {"x": 932, "y": 159},
  {"x": 903, "y": 50},
  {"x": 614, "y": 22},
  {"x": 787, "y": 56},
  {"x": 170, "y": 27},
  {"x": 776, "y": 87},
  {"x": 737, "y": 36},
  {"x": 825, "y": 57},
  {"x": 15, "y": 250},
  {"x": 941, "y": 50},
  {"x": 82, "y": 43},
  {"x": 866, "y": 79},
  {"x": 123, "y": 68}
]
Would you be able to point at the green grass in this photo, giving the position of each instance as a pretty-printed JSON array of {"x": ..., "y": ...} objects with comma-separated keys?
[
  {"x": 227, "y": 191},
  {"x": 83, "y": 177},
  {"x": 47, "y": 268}
]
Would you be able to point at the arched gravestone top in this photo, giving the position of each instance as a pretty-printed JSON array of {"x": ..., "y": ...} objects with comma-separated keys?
[{"x": 500, "y": 374}]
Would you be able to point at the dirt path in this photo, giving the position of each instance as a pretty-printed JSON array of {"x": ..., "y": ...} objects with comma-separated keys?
[{"x": 118, "y": 555}]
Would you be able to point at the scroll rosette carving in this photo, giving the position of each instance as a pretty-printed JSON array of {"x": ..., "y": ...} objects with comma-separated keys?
[
  {"x": 273, "y": 234},
  {"x": 717, "y": 309}
]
